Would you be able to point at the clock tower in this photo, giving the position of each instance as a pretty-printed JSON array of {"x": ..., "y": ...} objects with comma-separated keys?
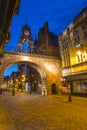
[{"x": 25, "y": 41}]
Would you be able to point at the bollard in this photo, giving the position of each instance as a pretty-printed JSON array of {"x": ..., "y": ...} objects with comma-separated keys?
[
  {"x": 44, "y": 93},
  {"x": 0, "y": 91},
  {"x": 30, "y": 91},
  {"x": 13, "y": 92},
  {"x": 69, "y": 97}
]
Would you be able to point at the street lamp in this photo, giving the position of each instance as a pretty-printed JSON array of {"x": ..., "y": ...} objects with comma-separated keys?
[
  {"x": 81, "y": 56},
  {"x": 23, "y": 81}
]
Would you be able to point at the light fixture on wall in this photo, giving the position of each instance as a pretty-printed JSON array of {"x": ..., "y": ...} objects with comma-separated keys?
[{"x": 80, "y": 56}]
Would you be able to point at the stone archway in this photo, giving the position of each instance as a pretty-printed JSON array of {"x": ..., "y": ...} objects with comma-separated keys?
[
  {"x": 48, "y": 67},
  {"x": 40, "y": 71}
]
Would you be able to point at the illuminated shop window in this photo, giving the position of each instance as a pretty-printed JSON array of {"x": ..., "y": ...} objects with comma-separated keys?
[{"x": 80, "y": 86}]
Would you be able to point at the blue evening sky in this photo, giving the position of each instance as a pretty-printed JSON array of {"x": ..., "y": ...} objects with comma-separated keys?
[{"x": 58, "y": 13}]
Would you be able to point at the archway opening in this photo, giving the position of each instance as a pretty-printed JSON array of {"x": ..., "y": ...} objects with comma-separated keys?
[
  {"x": 54, "y": 89},
  {"x": 31, "y": 77},
  {"x": 28, "y": 77}
]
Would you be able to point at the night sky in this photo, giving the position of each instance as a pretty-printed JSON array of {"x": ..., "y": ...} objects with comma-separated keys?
[{"x": 58, "y": 13}]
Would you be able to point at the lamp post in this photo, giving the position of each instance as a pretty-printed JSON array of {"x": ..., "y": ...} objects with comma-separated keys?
[{"x": 23, "y": 81}]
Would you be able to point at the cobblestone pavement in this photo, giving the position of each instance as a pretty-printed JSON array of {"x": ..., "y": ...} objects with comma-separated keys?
[
  {"x": 4, "y": 122},
  {"x": 36, "y": 112}
]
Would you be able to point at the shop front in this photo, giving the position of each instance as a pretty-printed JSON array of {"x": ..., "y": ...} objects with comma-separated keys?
[{"x": 78, "y": 83}]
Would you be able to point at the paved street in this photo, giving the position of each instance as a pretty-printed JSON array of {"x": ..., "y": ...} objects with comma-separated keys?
[{"x": 35, "y": 112}]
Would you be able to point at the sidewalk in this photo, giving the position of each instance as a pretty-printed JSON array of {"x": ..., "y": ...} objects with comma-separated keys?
[{"x": 4, "y": 122}]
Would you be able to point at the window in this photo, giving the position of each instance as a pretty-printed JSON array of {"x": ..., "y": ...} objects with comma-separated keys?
[
  {"x": 66, "y": 59},
  {"x": 84, "y": 28},
  {"x": 85, "y": 33},
  {"x": 76, "y": 38},
  {"x": 65, "y": 43}
]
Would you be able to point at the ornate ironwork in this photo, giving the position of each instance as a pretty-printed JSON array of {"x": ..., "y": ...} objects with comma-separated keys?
[{"x": 29, "y": 50}]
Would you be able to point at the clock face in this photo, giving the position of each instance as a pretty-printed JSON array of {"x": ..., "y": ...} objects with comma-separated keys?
[{"x": 26, "y": 32}]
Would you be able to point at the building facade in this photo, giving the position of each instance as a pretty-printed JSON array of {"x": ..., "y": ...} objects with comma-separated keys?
[
  {"x": 73, "y": 50},
  {"x": 7, "y": 9}
]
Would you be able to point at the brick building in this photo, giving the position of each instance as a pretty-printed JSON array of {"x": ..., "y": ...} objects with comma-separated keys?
[{"x": 47, "y": 42}]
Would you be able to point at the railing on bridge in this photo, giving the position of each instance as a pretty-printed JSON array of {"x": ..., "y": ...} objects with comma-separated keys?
[{"x": 30, "y": 50}]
